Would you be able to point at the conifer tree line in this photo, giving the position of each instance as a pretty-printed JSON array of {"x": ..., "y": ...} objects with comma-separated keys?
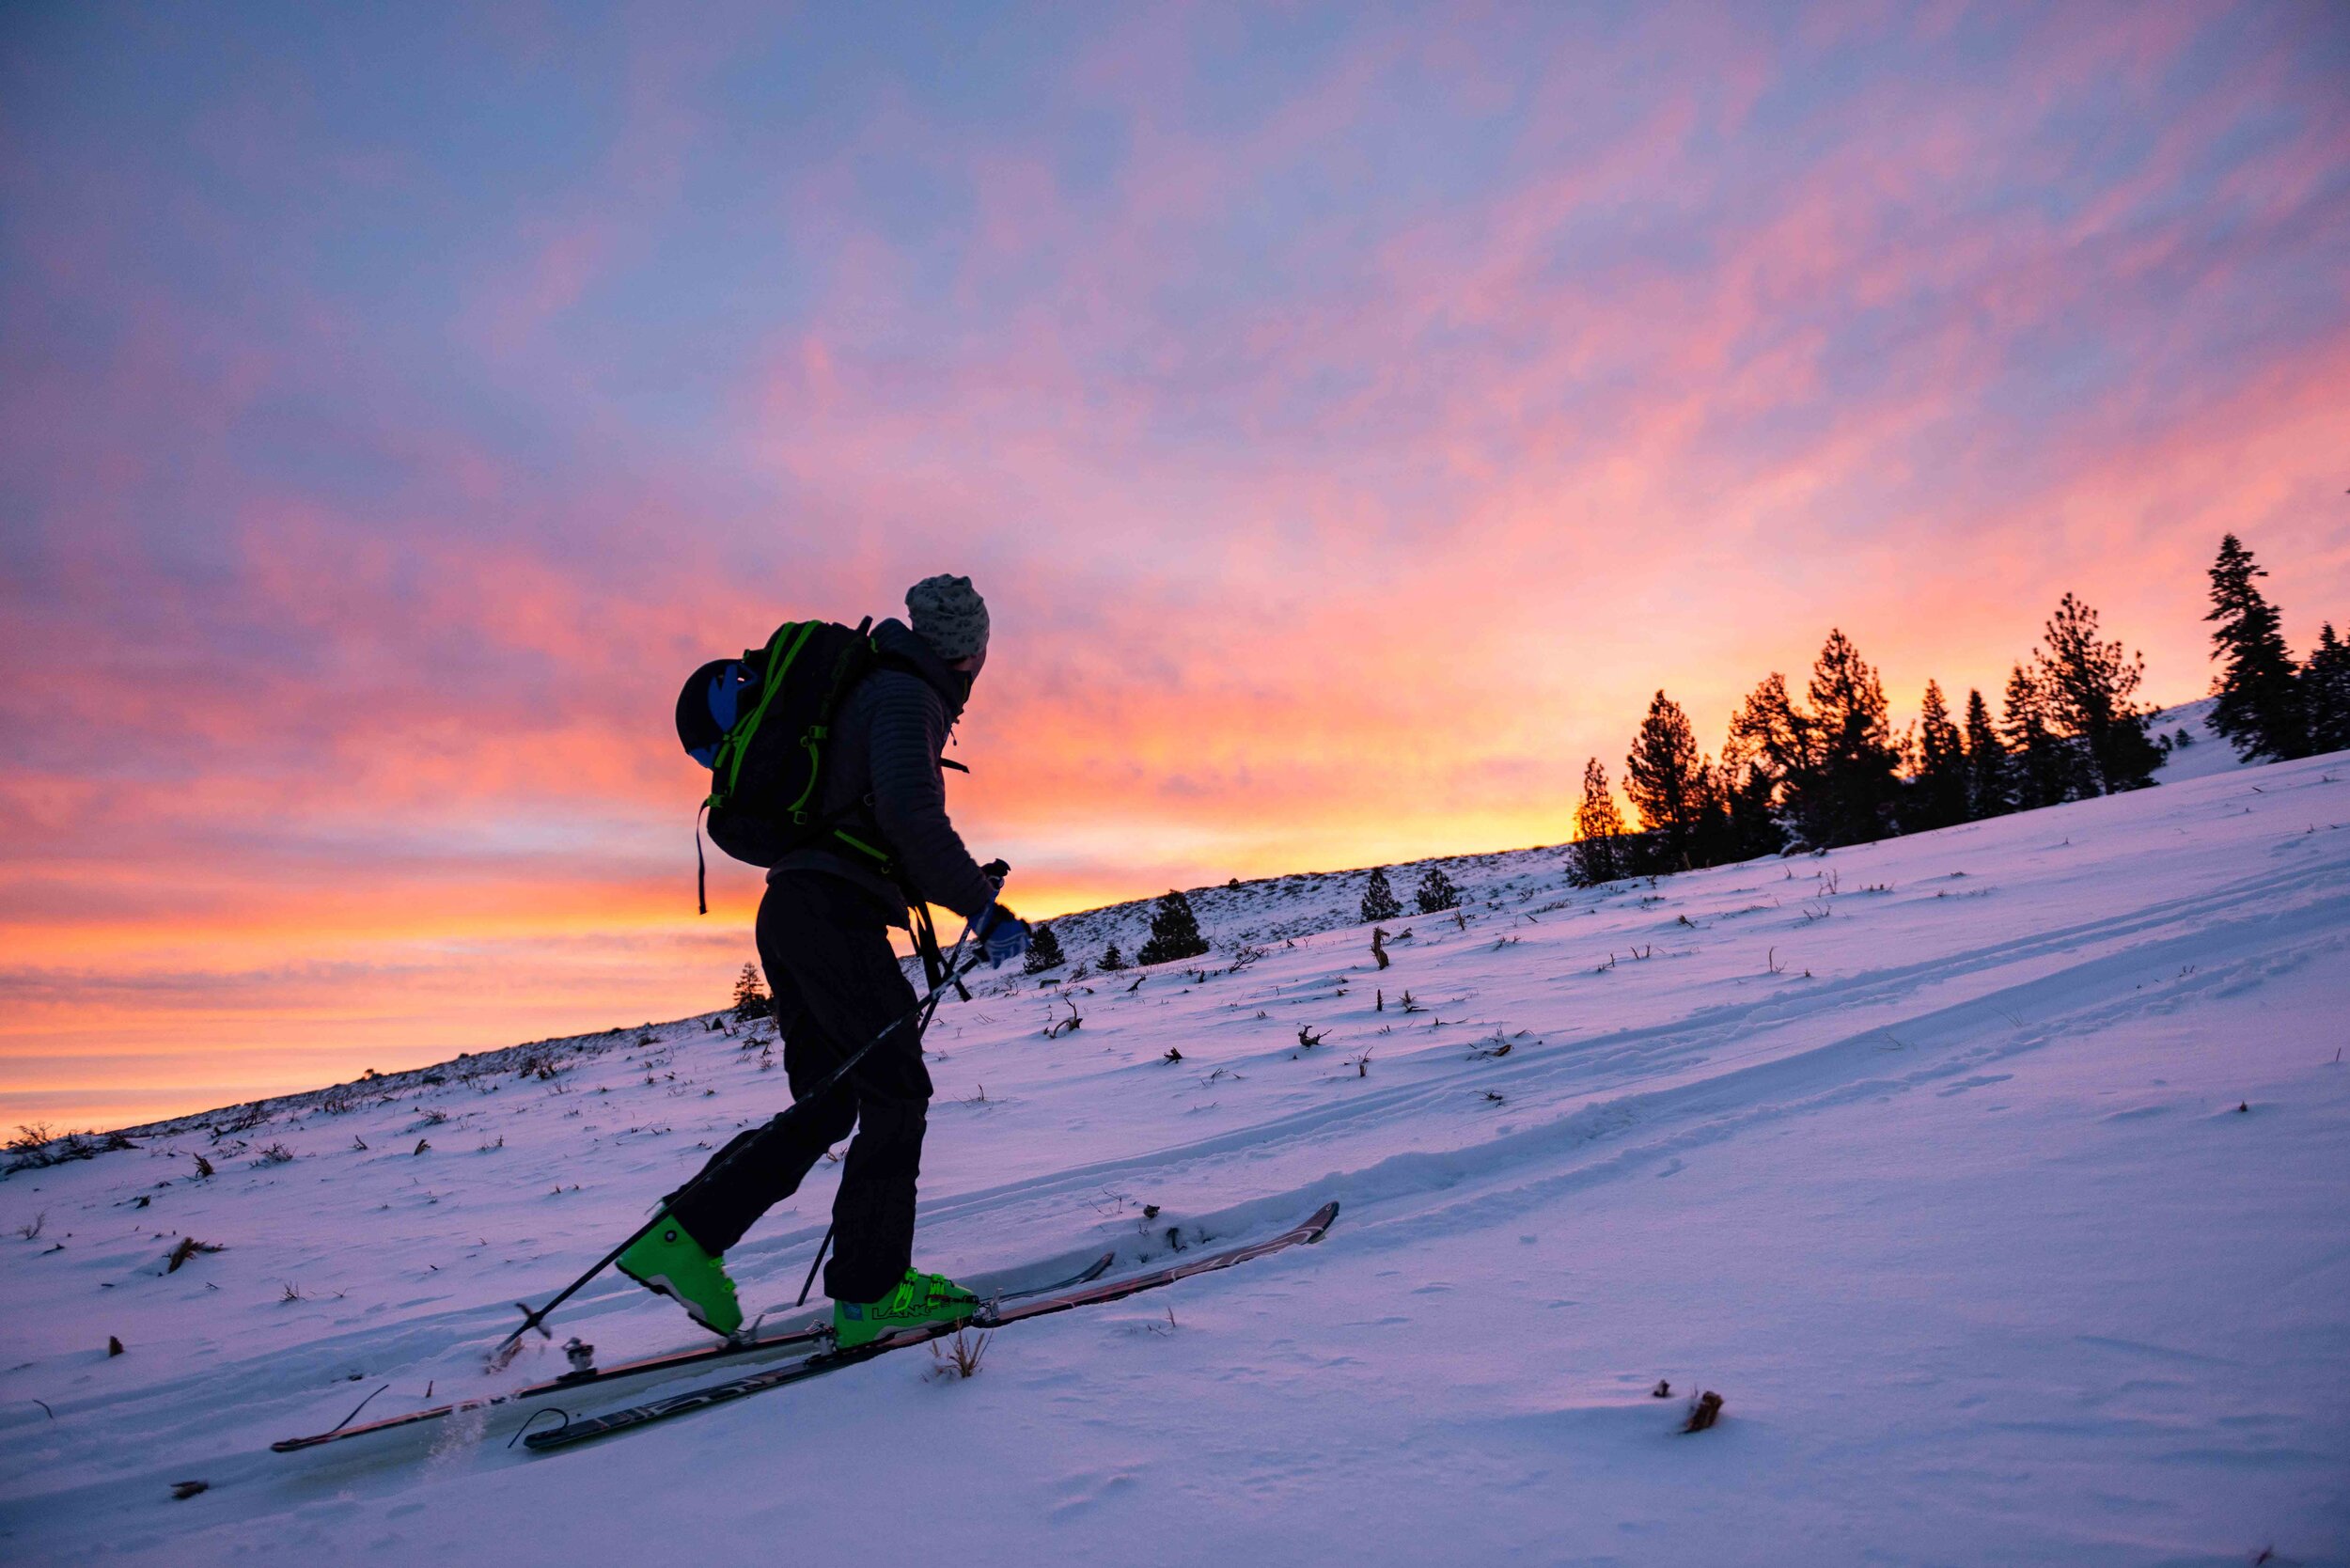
[
  {"x": 2270, "y": 708},
  {"x": 1826, "y": 768}
]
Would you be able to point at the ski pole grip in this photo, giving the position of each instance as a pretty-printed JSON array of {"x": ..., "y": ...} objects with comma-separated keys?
[{"x": 996, "y": 872}]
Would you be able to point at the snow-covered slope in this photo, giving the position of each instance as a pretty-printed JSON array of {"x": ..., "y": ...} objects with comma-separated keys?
[
  {"x": 2203, "y": 752},
  {"x": 1927, "y": 1155}
]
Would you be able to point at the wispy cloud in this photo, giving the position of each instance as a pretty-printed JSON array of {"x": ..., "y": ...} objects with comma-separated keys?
[{"x": 1350, "y": 417}]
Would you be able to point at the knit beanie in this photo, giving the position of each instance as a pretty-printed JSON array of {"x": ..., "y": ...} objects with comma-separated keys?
[{"x": 949, "y": 616}]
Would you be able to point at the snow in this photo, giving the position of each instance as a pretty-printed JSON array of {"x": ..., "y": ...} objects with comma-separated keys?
[
  {"x": 2207, "y": 751},
  {"x": 1927, "y": 1155}
]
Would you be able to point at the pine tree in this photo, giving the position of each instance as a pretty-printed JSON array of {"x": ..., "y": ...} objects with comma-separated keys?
[
  {"x": 1598, "y": 855},
  {"x": 2325, "y": 693},
  {"x": 1174, "y": 931},
  {"x": 1772, "y": 734},
  {"x": 750, "y": 995},
  {"x": 1379, "y": 900},
  {"x": 1938, "y": 792},
  {"x": 1771, "y": 755},
  {"x": 1112, "y": 959},
  {"x": 2041, "y": 769},
  {"x": 1849, "y": 799},
  {"x": 1671, "y": 786},
  {"x": 2260, "y": 706},
  {"x": 1986, "y": 763},
  {"x": 1749, "y": 817},
  {"x": 2089, "y": 686},
  {"x": 1044, "y": 950},
  {"x": 1435, "y": 892}
]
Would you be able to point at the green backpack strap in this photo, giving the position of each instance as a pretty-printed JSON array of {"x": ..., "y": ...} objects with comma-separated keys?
[
  {"x": 788, "y": 662},
  {"x": 782, "y": 649}
]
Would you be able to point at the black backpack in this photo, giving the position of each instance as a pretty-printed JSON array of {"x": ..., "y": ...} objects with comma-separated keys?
[{"x": 760, "y": 724}]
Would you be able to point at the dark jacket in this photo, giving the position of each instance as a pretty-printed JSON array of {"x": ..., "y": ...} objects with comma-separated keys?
[{"x": 884, "y": 750}]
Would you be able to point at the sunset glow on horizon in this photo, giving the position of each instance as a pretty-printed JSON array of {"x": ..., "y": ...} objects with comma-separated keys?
[{"x": 1350, "y": 416}]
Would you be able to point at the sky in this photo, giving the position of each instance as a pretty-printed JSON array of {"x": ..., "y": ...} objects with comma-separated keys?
[{"x": 1351, "y": 414}]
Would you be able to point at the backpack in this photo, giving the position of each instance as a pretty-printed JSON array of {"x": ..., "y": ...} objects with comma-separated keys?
[{"x": 760, "y": 724}]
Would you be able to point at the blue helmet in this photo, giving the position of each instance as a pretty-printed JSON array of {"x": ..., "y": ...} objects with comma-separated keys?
[{"x": 708, "y": 706}]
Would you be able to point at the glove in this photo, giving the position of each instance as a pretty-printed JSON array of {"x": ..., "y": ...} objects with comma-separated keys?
[{"x": 1003, "y": 937}]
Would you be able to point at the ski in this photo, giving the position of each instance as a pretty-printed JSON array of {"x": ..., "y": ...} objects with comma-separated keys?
[
  {"x": 667, "y": 1361},
  {"x": 988, "y": 1317}
]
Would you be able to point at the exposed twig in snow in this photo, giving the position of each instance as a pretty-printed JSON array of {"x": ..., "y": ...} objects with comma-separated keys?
[{"x": 189, "y": 1246}]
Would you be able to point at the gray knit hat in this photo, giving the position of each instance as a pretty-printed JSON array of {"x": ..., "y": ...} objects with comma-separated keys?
[{"x": 949, "y": 614}]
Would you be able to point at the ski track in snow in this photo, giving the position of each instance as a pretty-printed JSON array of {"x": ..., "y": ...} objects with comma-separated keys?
[{"x": 1925, "y": 1153}]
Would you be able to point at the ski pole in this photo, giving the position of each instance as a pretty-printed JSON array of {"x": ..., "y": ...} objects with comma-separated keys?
[
  {"x": 535, "y": 1317},
  {"x": 818, "y": 1262}
]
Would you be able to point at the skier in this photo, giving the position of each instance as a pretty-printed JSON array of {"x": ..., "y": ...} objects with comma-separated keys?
[{"x": 822, "y": 935}]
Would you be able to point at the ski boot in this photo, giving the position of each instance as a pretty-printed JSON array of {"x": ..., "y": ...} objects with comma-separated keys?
[
  {"x": 919, "y": 1298},
  {"x": 668, "y": 1260}
]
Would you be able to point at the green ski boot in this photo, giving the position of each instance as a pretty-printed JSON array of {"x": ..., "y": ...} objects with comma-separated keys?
[
  {"x": 919, "y": 1298},
  {"x": 665, "y": 1259}
]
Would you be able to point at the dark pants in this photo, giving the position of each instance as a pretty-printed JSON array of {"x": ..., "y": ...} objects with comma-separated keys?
[{"x": 826, "y": 948}]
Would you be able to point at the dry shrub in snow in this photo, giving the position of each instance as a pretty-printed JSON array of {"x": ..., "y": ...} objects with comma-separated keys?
[
  {"x": 188, "y": 1248},
  {"x": 960, "y": 1354}
]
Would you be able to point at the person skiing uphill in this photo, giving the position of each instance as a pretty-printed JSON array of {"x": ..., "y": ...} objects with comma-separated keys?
[{"x": 822, "y": 935}]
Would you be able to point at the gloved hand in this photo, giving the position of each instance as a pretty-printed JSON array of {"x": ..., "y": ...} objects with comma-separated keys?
[{"x": 1002, "y": 936}]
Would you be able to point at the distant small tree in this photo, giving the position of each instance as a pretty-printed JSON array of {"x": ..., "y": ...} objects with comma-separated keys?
[
  {"x": 1379, "y": 900},
  {"x": 2043, "y": 771},
  {"x": 1112, "y": 959},
  {"x": 750, "y": 996},
  {"x": 2089, "y": 688},
  {"x": 1671, "y": 785},
  {"x": 1855, "y": 764},
  {"x": 1174, "y": 931},
  {"x": 1435, "y": 892},
  {"x": 1770, "y": 758},
  {"x": 1770, "y": 732},
  {"x": 1749, "y": 816},
  {"x": 1598, "y": 853},
  {"x": 1044, "y": 950},
  {"x": 2261, "y": 701},
  {"x": 2326, "y": 696},
  {"x": 1938, "y": 792},
  {"x": 1986, "y": 761}
]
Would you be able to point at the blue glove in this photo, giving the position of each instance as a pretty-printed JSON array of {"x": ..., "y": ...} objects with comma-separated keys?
[{"x": 1003, "y": 937}]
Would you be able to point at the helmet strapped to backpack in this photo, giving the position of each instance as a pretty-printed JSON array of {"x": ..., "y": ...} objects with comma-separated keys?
[{"x": 761, "y": 725}]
